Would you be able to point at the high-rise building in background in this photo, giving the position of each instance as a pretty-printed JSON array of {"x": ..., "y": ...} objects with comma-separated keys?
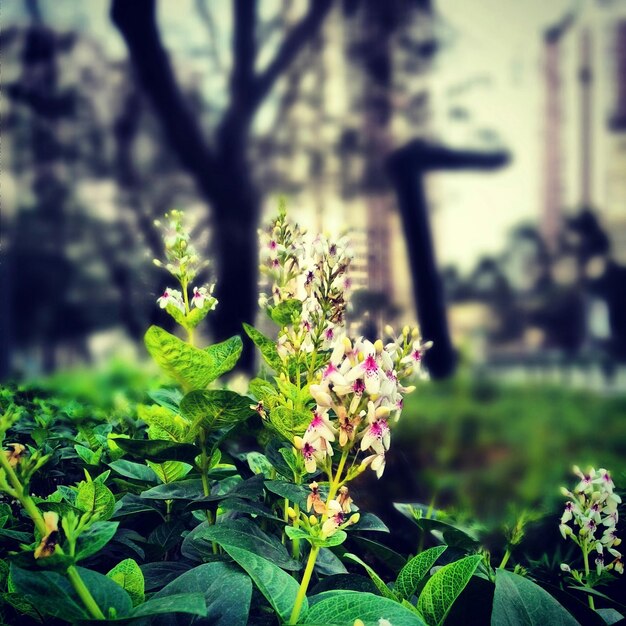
[{"x": 584, "y": 134}]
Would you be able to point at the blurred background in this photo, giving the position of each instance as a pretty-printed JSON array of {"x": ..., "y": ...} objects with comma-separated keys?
[{"x": 475, "y": 149}]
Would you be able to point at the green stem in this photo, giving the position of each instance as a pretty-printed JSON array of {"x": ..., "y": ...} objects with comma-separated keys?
[
  {"x": 304, "y": 585},
  {"x": 586, "y": 561},
  {"x": 35, "y": 514},
  {"x": 84, "y": 594},
  {"x": 20, "y": 493},
  {"x": 336, "y": 482},
  {"x": 206, "y": 489},
  {"x": 505, "y": 558}
]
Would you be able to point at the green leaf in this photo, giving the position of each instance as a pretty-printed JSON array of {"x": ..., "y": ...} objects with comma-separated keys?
[
  {"x": 519, "y": 601},
  {"x": 129, "y": 576},
  {"x": 294, "y": 493},
  {"x": 167, "y": 398},
  {"x": 290, "y": 422},
  {"x": 190, "y": 366},
  {"x": 94, "y": 539},
  {"x": 224, "y": 356},
  {"x": 266, "y": 346},
  {"x": 277, "y": 586},
  {"x": 610, "y": 616},
  {"x": 88, "y": 456},
  {"x": 190, "y": 603},
  {"x": 452, "y": 535},
  {"x": 394, "y": 561},
  {"x": 190, "y": 489},
  {"x": 413, "y": 572},
  {"x": 95, "y": 498},
  {"x": 444, "y": 587},
  {"x": 226, "y": 589},
  {"x": 167, "y": 535},
  {"x": 376, "y": 579},
  {"x": 348, "y": 606},
  {"x": 163, "y": 423},
  {"x": 215, "y": 409},
  {"x": 169, "y": 471},
  {"x": 246, "y": 535},
  {"x": 370, "y": 522},
  {"x": 136, "y": 471},
  {"x": 286, "y": 312},
  {"x": 158, "y": 449},
  {"x": 48, "y": 592}
]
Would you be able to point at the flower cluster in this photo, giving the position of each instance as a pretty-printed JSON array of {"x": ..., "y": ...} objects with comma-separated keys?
[
  {"x": 311, "y": 270},
  {"x": 358, "y": 394},
  {"x": 183, "y": 262},
  {"x": 336, "y": 514},
  {"x": 590, "y": 519}
]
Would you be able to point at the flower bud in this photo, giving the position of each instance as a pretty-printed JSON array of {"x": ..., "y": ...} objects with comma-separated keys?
[
  {"x": 378, "y": 346},
  {"x": 291, "y": 513},
  {"x": 565, "y": 567},
  {"x": 405, "y": 331},
  {"x": 313, "y": 520},
  {"x": 388, "y": 330},
  {"x": 354, "y": 518}
]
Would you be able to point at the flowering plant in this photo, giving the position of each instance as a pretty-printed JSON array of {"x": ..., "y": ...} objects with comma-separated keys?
[{"x": 231, "y": 503}]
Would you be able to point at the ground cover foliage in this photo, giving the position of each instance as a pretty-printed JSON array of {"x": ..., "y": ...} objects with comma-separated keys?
[{"x": 204, "y": 500}]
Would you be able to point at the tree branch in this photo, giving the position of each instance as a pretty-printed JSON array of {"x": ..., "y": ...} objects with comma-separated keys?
[
  {"x": 244, "y": 51},
  {"x": 305, "y": 30},
  {"x": 136, "y": 21}
]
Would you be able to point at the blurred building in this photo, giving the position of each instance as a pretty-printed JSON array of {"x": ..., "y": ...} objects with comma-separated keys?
[
  {"x": 584, "y": 135},
  {"x": 359, "y": 93}
]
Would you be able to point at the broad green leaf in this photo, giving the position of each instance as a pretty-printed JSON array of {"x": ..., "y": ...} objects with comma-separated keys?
[
  {"x": 158, "y": 450},
  {"x": 244, "y": 506},
  {"x": 163, "y": 423},
  {"x": 444, "y": 587},
  {"x": 136, "y": 471},
  {"x": 131, "y": 504},
  {"x": 249, "y": 489},
  {"x": 266, "y": 346},
  {"x": 392, "y": 559},
  {"x": 107, "y": 594},
  {"x": 247, "y": 536},
  {"x": 94, "y": 539},
  {"x": 370, "y": 522},
  {"x": 129, "y": 576},
  {"x": 88, "y": 456},
  {"x": 190, "y": 489},
  {"x": 264, "y": 391},
  {"x": 413, "y": 572},
  {"x": 277, "y": 586},
  {"x": 190, "y": 603},
  {"x": 286, "y": 312},
  {"x": 95, "y": 498},
  {"x": 167, "y": 535},
  {"x": 376, "y": 579},
  {"x": 226, "y": 589},
  {"x": 191, "y": 367},
  {"x": 167, "y": 398},
  {"x": 452, "y": 535},
  {"x": 610, "y": 616},
  {"x": 259, "y": 464},
  {"x": 290, "y": 422},
  {"x": 348, "y": 606},
  {"x": 224, "y": 356},
  {"x": 48, "y": 591},
  {"x": 169, "y": 471},
  {"x": 157, "y": 575},
  {"x": 294, "y": 493},
  {"x": 329, "y": 564},
  {"x": 215, "y": 409},
  {"x": 347, "y": 582},
  {"x": 519, "y": 601}
]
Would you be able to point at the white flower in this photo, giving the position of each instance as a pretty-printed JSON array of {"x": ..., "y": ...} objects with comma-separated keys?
[
  {"x": 199, "y": 296},
  {"x": 173, "y": 297}
]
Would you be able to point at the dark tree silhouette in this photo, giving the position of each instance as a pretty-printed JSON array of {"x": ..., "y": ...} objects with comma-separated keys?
[
  {"x": 407, "y": 167},
  {"x": 219, "y": 166}
]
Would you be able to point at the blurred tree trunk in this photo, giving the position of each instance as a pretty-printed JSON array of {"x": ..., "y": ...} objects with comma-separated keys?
[{"x": 220, "y": 168}]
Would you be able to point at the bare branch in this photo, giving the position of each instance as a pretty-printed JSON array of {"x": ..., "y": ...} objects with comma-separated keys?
[
  {"x": 303, "y": 32},
  {"x": 207, "y": 17},
  {"x": 136, "y": 21}
]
